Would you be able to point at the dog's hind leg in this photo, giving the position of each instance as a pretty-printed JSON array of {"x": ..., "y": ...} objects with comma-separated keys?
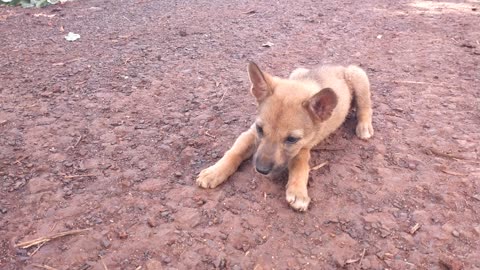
[
  {"x": 358, "y": 81},
  {"x": 242, "y": 149}
]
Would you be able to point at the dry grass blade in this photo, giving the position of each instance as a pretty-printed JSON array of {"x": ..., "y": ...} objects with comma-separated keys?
[
  {"x": 103, "y": 263},
  {"x": 319, "y": 166},
  {"x": 422, "y": 83},
  {"x": 439, "y": 153},
  {"x": 37, "y": 249},
  {"x": 454, "y": 173},
  {"x": 210, "y": 135},
  {"x": 41, "y": 240},
  {"x": 350, "y": 261},
  {"x": 80, "y": 175},
  {"x": 20, "y": 160},
  {"x": 44, "y": 266},
  {"x": 363, "y": 256}
]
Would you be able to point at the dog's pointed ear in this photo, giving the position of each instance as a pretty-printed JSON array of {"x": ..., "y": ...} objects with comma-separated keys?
[
  {"x": 261, "y": 82},
  {"x": 321, "y": 105}
]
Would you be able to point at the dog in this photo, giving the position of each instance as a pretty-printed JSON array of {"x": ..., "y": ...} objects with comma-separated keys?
[{"x": 294, "y": 115}]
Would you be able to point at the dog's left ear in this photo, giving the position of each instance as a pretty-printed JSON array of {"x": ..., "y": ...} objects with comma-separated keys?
[
  {"x": 261, "y": 82},
  {"x": 321, "y": 105}
]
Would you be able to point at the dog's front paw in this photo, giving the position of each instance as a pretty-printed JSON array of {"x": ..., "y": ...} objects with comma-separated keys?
[
  {"x": 211, "y": 177},
  {"x": 364, "y": 130},
  {"x": 298, "y": 198}
]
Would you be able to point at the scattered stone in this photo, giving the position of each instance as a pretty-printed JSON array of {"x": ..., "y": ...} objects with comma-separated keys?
[
  {"x": 455, "y": 233},
  {"x": 39, "y": 184},
  {"x": 152, "y": 222},
  {"x": 166, "y": 259},
  {"x": 105, "y": 243},
  {"x": 178, "y": 174},
  {"x": 384, "y": 233},
  {"x": 18, "y": 184},
  {"x": 221, "y": 263},
  {"x": 451, "y": 263},
  {"x": 223, "y": 236},
  {"x": 3, "y": 210},
  {"x": 69, "y": 225},
  {"x": 122, "y": 234},
  {"x": 153, "y": 265}
]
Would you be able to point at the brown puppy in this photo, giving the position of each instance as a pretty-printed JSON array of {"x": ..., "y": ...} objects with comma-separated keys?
[{"x": 294, "y": 115}]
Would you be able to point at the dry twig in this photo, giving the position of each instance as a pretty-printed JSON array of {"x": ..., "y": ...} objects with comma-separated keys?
[
  {"x": 363, "y": 255},
  {"x": 78, "y": 141},
  {"x": 103, "y": 263},
  {"x": 224, "y": 92},
  {"x": 439, "y": 153},
  {"x": 79, "y": 175},
  {"x": 423, "y": 83},
  {"x": 210, "y": 135},
  {"x": 44, "y": 266},
  {"x": 36, "y": 250},
  {"x": 415, "y": 228},
  {"x": 319, "y": 166},
  {"x": 453, "y": 173},
  {"x": 44, "y": 239},
  {"x": 20, "y": 160}
]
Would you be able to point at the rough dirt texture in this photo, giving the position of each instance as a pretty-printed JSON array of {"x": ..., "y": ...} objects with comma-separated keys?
[{"x": 108, "y": 132}]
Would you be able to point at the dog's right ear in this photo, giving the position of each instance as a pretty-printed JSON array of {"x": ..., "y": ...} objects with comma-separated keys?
[
  {"x": 261, "y": 82},
  {"x": 321, "y": 105}
]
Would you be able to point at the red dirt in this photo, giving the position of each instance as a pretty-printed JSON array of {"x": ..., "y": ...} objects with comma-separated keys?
[{"x": 154, "y": 91}]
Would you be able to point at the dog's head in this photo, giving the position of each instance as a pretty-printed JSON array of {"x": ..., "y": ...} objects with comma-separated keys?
[{"x": 290, "y": 112}]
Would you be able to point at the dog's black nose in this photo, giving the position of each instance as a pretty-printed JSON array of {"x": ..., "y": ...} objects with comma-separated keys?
[{"x": 264, "y": 169}]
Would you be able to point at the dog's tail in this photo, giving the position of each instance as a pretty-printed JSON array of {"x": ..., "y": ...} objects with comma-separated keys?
[{"x": 359, "y": 85}]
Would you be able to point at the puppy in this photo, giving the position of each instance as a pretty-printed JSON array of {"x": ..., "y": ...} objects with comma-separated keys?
[{"x": 294, "y": 115}]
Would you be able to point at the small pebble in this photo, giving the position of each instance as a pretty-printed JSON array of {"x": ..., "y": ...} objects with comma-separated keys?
[
  {"x": 166, "y": 259},
  {"x": 152, "y": 222},
  {"x": 122, "y": 234},
  {"x": 106, "y": 243},
  {"x": 455, "y": 233}
]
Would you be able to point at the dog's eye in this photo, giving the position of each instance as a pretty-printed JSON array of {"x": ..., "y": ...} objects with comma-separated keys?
[
  {"x": 291, "y": 140},
  {"x": 259, "y": 130}
]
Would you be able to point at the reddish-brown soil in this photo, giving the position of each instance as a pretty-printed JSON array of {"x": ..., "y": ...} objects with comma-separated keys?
[{"x": 109, "y": 132}]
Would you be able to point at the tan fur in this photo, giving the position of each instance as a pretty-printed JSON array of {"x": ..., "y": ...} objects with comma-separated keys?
[{"x": 305, "y": 108}]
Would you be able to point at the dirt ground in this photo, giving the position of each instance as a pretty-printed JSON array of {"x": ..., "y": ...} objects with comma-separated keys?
[{"x": 108, "y": 133}]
